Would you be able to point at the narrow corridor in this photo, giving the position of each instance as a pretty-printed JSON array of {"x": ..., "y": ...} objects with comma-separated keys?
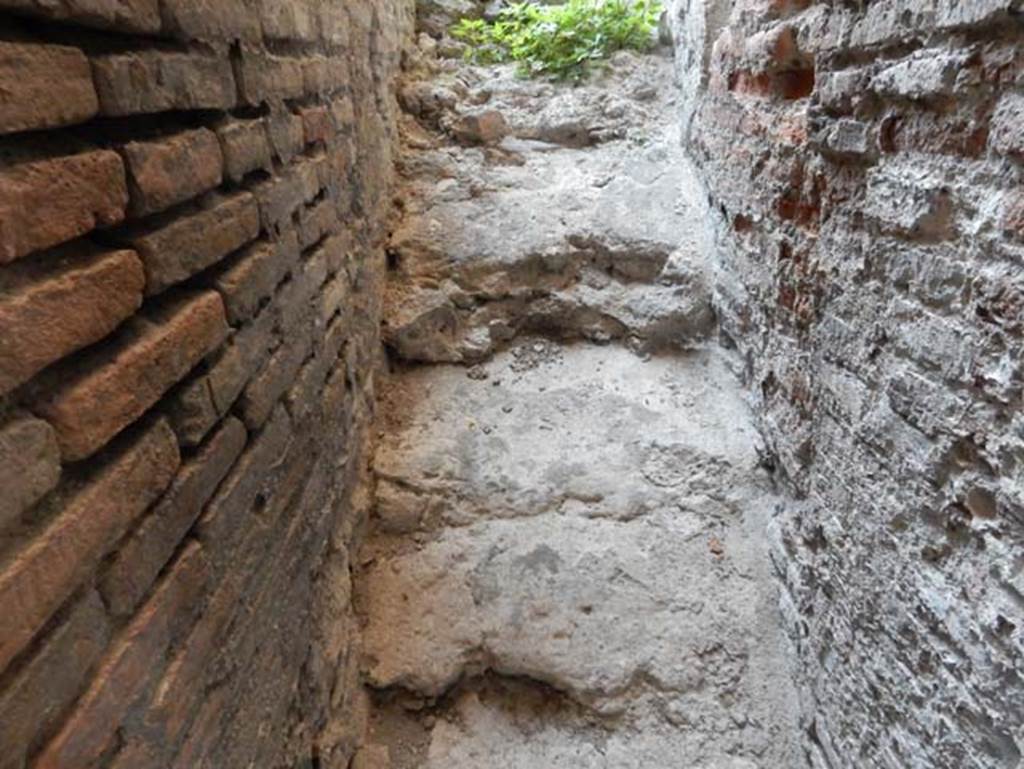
[{"x": 568, "y": 563}]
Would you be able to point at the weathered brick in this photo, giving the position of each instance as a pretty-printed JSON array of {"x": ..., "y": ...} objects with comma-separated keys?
[
  {"x": 147, "y": 550},
  {"x": 51, "y": 307},
  {"x": 175, "y": 250},
  {"x": 206, "y": 730},
  {"x": 956, "y": 13},
  {"x": 205, "y": 20},
  {"x": 278, "y": 198},
  {"x": 335, "y": 297},
  {"x": 848, "y": 138},
  {"x": 246, "y": 147},
  {"x": 307, "y": 172},
  {"x": 343, "y": 112},
  {"x": 286, "y": 133},
  {"x": 842, "y": 91},
  {"x": 295, "y": 301},
  {"x": 33, "y": 701},
  {"x": 334, "y": 26},
  {"x": 908, "y": 199},
  {"x": 263, "y": 76},
  {"x": 45, "y": 202},
  {"x": 236, "y": 364},
  {"x": 191, "y": 410},
  {"x": 53, "y": 565},
  {"x": 131, "y": 665},
  {"x": 372, "y": 757},
  {"x": 317, "y": 125},
  {"x": 29, "y": 465},
  {"x": 302, "y": 399},
  {"x": 101, "y": 394},
  {"x": 167, "y": 171},
  {"x": 316, "y": 221},
  {"x": 139, "y": 754},
  {"x": 1013, "y": 218},
  {"x": 246, "y": 489},
  {"x": 157, "y": 81},
  {"x": 273, "y": 380},
  {"x": 141, "y": 16},
  {"x": 928, "y": 74},
  {"x": 44, "y": 86},
  {"x": 254, "y": 274},
  {"x": 1007, "y": 131},
  {"x": 289, "y": 20}
]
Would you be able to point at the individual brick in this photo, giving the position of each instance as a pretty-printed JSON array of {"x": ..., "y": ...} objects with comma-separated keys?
[
  {"x": 956, "y": 13},
  {"x": 1013, "y": 217},
  {"x": 344, "y": 112},
  {"x": 253, "y": 275},
  {"x": 1007, "y": 132},
  {"x": 192, "y": 412},
  {"x": 138, "y": 16},
  {"x": 317, "y": 125},
  {"x": 42, "y": 576},
  {"x": 174, "y": 251},
  {"x": 288, "y": 20},
  {"x": 317, "y": 221},
  {"x": 906, "y": 200},
  {"x": 45, "y": 202},
  {"x": 317, "y": 77},
  {"x": 33, "y": 701},
  {"x": 295, "y": 300},
  {"x": 278, "y": 198},
  {"x": 167, "y": 171},
  {"x": 140, "y": 558},
  {"x": 131, "y": 666},
  {"x": 51, "y": 307},
  {"x": 99, "y": 395},
  {"x": 264, "y": 77},
  {"x": 308, "y": 173},
  {"x": 287, "y": 135},
  {"x": 335, "y": 297},
  {"x": 334, "y": 27},
  {"x": 157, "y": 81},
  {"x": 204, "y": 20},
  {"x": 929, "y": 74},
  {"x": 29, "y": 465},
  {"x": 371, "y": 757},
  {"x": 245, "y": 147},
  {"x": 44, "y": 86},
  {"x": 848, "y": 138}
]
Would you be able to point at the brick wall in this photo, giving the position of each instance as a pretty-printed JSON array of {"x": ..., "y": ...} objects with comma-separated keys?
[
  {"x": 191, "y": 205},
  {"x": 865, "y": 162}
]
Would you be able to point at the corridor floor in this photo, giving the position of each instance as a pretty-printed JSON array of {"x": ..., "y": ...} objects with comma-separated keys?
[{"x": 567, "y": 566}]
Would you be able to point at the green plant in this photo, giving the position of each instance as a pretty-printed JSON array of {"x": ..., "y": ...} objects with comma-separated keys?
[{"x": 560, "y": 41}]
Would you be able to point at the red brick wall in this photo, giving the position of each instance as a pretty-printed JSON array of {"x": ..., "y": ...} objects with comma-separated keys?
[
  {"x": 191, "y": 202},
  {"x": 865, "y": 163}
]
